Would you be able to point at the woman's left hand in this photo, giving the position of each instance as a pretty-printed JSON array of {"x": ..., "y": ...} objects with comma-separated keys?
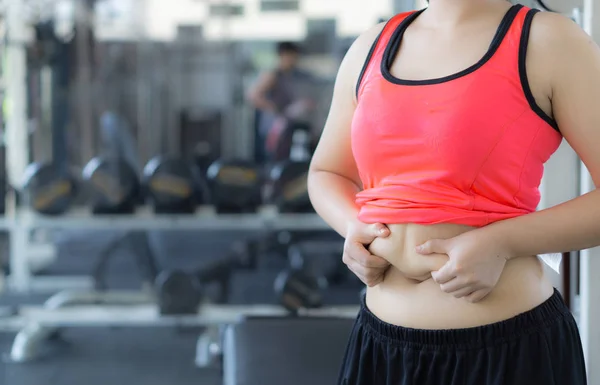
[{"x": 476, "y": 261}]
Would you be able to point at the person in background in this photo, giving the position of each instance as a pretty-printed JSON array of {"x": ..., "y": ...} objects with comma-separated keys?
[{"x": 277, "y": 94}]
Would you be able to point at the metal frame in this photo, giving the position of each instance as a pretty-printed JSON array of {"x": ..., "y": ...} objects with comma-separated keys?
[
  {"x": 92, "y": 309},
  {"x": 21, "y": 279}
]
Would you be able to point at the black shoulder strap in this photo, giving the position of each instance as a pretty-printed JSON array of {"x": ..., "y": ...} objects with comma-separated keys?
[
  {"x": 369, "y": 57},
  {"x": 523, "y": 45}
]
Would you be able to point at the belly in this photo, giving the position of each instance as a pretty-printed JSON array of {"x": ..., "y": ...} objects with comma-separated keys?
[{"x": 409, "y": 297}]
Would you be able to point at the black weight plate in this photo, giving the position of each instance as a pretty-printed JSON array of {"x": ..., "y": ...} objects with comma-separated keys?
[
  {"x": 172, "y": 185},
  {"x": 48, "y": 188},
  {"x": 289, "y": 187},
  {"x": 329, "y": 267},
  {"x": 297, "y": 289},
  {"x": 236, "y": 185},
  {"x": 113, "y": 185},
  {"x": 178, "y": 293}
]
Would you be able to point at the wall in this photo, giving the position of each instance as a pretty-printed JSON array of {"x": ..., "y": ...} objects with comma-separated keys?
[
  {"x": 590, "y": 259},
  {"x": 121, "y": 19},
  {"x": 163, "y": 17},
  {"x": 564, "y": 5}
]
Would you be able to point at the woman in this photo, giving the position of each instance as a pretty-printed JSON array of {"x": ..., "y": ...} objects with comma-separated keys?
[{"x": 429, "y": 165}]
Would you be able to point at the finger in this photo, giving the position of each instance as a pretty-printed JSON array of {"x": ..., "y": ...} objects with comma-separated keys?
[
  {"x": 464, "y": 292},
  {"x": 378, "y": 230},
  {"x": 444, "y": 275},
  {"x": 478, "y": 295},
  {"x": 357, "y": 252},
  {"x": 434, "y": 246},
  {"x": 362, "y": 272},
  {"x": 370, "y": 277},
  {"x": 375, "y": 280},
  {"x": 454, "y": 285}
]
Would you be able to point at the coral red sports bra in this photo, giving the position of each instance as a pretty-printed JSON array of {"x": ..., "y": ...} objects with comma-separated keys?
[{"x": 467, "y": 149}]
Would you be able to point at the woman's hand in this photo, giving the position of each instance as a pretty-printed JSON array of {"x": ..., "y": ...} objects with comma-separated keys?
[
  {"x": 476, "y": 262},
  {"x": 367, "y": 267}
]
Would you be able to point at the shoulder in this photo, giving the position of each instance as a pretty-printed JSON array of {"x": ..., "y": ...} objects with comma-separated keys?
[
  {"x": 560, "y": 52},
  {"x": 368, "y": 37},
  {"x": 359, "y": 51},
  {"x": 362, "y": 45},
  {"x": 356, "y": 56},
  {"x": 559, "y": 40},
  {"x": 553, "y": 29}
]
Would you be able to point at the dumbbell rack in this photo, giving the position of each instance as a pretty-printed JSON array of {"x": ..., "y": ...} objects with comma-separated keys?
[
  {"x": 24, "y": 221},
  {"x": 85, "y": 308}
]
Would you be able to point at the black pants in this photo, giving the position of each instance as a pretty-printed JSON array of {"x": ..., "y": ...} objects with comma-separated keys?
[{"x": 539, "y": 347}]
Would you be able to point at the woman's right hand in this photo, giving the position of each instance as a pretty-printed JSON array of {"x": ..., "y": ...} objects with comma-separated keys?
[{"x": 369, "y": 268}]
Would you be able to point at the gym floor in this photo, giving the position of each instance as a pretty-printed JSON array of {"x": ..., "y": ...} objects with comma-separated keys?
[{"x": 149, "y": 356}]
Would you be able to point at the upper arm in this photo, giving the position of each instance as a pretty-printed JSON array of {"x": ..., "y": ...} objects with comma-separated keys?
[
  {"x": 574, "y": 61},
  {"x": 334, "y": 152}
]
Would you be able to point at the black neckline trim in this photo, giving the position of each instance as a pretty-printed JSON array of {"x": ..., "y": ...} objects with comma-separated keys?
[
  {"x": 523, "y": 71},
  {"x": 394, "y": 45}
]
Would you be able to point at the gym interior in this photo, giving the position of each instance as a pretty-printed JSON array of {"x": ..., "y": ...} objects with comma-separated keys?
[{"x": 147, "y": 235}]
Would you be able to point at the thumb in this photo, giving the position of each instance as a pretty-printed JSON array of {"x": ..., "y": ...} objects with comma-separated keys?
[
  {"x": 434, "y": 246},
  {"x": 379, "y": 230}
]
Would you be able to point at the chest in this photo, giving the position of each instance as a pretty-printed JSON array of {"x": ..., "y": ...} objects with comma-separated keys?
[
  {"x": 453, "y": 128},
  {"x": 431, "y": 55}
]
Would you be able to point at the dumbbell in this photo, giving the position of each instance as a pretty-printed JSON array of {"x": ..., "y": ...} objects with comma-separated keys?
[
  {"x": 173, "y": 186},
  {"x": 288, "y": 188},
  {"x": 112, "y": 185},
  {"x": 179, "y": 292},
  {"x": 48, "y": 188},
  {"x": 329, "y": 267},
  {"x": 236, "y": 186},
  {"x": 297, "y": 289}
]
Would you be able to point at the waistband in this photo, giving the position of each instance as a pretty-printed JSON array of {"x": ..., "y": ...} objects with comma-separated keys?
[{"x": 552, "y": 310}]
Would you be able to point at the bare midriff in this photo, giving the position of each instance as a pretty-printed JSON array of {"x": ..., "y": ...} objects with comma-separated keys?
[{"x": 409, "y": 297}]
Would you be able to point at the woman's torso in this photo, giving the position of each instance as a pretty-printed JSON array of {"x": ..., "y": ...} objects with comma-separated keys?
[
  {"x": 420, "y": 303},
  {"x": 408, "y": 296}
]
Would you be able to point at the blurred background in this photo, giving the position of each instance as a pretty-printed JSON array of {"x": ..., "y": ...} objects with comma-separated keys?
[
  {"x": 165, "y": 68},
  {"x": 153, "y": 162},
  {"x": 113, "y": 113}
]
